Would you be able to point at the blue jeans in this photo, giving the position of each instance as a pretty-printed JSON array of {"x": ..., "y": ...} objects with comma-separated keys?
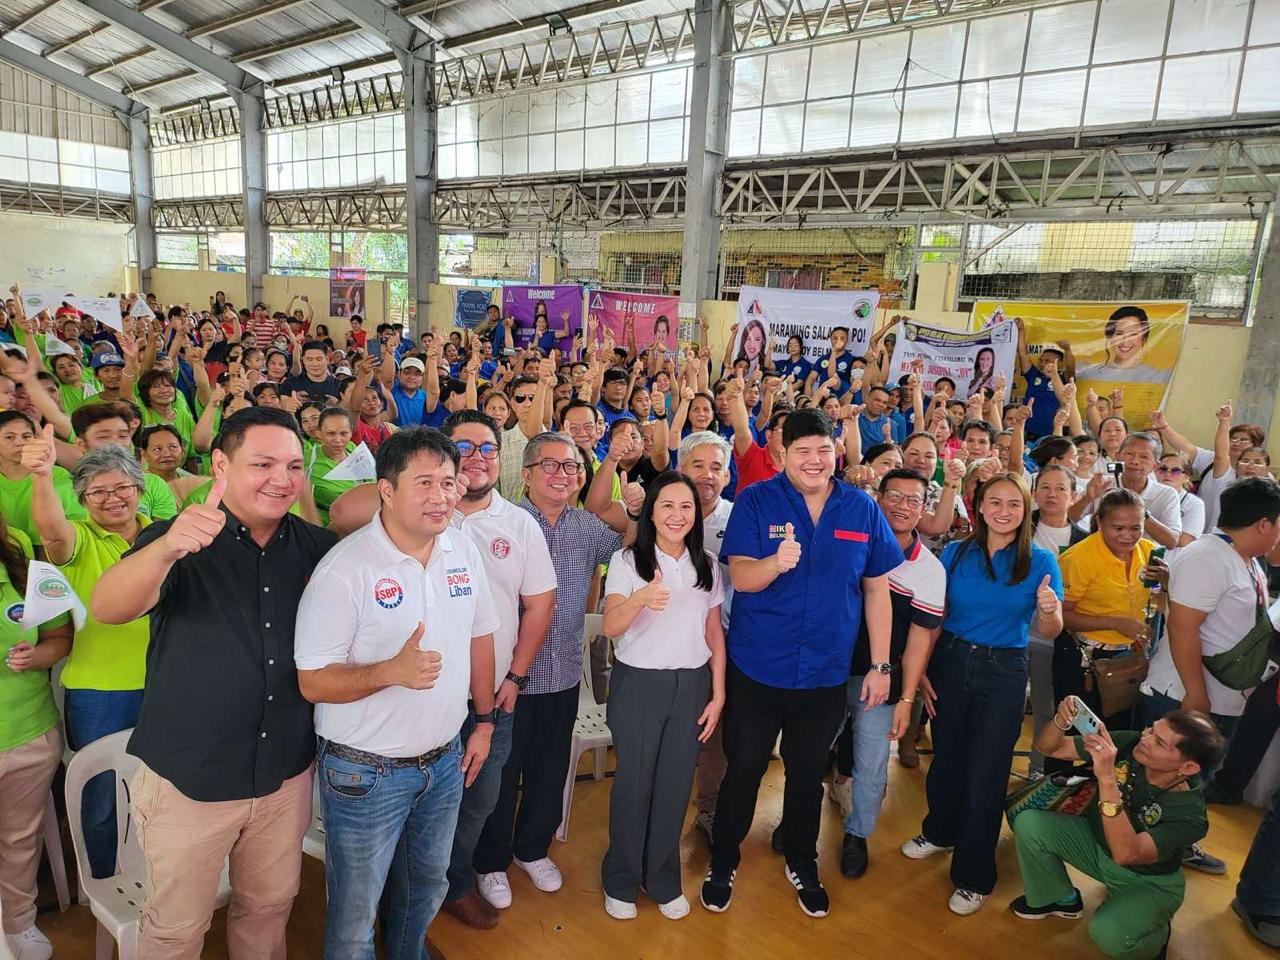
[
  {"x": 92, "y": 715},
  {"x": 1153, "y": 706},
  {"x": 1259, "y": 887},
  {"x": 389, "y": 827},
  {"x": 478, "y": 802},
  {"x": 870, "y": 760}
]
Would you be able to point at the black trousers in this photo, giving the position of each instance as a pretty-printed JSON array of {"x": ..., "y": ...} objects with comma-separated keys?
[
  {"x": 754, "y": 714},
  {"x": 1252, "y": 738},
  {"x": 541, "y": 731},
  {"x": 1069, "y": 680}
]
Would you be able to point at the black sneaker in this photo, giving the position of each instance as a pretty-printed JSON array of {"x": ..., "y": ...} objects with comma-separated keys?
[
  {"x": 717, "y": 889},
  {"x": 776, "y": 841},
  {"x": 1071, "y": 911},
  {"x": 853, "y": 856},
  {"x": 809, "y": 889}
]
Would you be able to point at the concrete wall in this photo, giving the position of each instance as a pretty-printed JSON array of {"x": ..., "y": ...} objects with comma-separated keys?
[{"x": 92, "y": 255}]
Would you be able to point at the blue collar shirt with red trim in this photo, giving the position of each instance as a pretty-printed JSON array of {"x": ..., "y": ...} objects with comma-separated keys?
[{"x": 798, "y": 632}]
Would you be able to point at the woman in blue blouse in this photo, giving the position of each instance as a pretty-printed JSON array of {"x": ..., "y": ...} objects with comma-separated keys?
[
  {"x": 795, "y": 365},
  {"x": 998, "y": 581}
]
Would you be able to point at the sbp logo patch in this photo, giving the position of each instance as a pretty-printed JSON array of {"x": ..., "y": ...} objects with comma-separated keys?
[
  {"x": 388, "y": 593},
  {"x": 500, "y": 547},
  {"x": 14, "y": 612}
]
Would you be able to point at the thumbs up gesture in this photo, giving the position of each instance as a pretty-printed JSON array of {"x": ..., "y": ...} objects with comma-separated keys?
[
  {"x": 414, "y": 667},
  {"x": 197, "y": 526},
  {"x": 653, "y": 594},
  {"x": 788, "y": 554},
  {"x": 39, "y": 453},
  {"x": 1047, "y": 601}
]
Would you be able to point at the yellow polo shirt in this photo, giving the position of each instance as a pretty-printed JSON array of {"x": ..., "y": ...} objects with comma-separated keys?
[
  {"x": 103, "y": 656},
  {"x": 1096, "y": 580}
]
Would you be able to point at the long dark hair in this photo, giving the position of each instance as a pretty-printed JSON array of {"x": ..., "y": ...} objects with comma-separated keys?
[
  {"x": 15, "y": 561},
  {"x": 644, "y": 549},
  {"x": 1021, "y": 541}
]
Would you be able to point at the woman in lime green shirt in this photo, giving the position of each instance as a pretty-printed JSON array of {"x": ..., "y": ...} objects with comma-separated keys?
[
  {"x": 334, "y": 443},
  {"x": 107, "y": 666},
  {"x": 30, "y": 744},
  {"x": 162, "y": 403}
]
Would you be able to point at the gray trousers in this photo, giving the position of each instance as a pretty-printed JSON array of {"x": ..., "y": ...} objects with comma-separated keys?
[{"x": 653, "y": 715}]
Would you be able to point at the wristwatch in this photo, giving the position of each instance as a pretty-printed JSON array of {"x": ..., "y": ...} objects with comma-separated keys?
[
  {"x": 1109, "y": 808},
  {"x": 882, "y": 667},
  {"x": 490, "y": 717},
  {"x": 521, "y": 681}
]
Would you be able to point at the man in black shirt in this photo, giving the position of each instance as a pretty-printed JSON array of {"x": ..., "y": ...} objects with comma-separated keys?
[
  {"x": 315, "y": 380},
  {"x": 225, "y": 738}
]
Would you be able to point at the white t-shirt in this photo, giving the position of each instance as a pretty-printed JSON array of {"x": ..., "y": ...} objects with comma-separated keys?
[
  {"x": 362, "y": 604},
  {"x": 516, "y": 559},
  {"x": 1161, "y": 503},
  {"x": 1211, "y": 487},
  {"x": 1192, "y": 519},
  {"x": 675, "y": 638},
  {"x": 713, "y": 525},
  {"x": 1211, "y": 577},
  {"x": 1053, "y": 539}
]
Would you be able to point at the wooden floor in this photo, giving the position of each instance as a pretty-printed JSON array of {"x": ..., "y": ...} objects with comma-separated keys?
[{"x": 897, "y": 910}]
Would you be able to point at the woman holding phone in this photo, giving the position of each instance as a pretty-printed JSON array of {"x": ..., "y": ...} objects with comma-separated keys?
[
  {"x": 662, "y": 602},
  {"x": 998, "y": 582}
]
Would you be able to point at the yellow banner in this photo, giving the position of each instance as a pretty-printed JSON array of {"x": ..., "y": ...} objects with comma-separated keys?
[{"x": 1131, "y": 347}]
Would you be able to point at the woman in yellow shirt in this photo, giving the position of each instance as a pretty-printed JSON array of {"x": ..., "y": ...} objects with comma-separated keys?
[{"x": 1103, "y": 600}]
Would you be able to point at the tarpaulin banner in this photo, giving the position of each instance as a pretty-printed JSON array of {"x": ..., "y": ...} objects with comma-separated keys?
[
  {"x": 469, "y": 306},
  {"x": 346, "y": 291},
  {"x": 767, "y": 317},
  {"x": 971, "y": 360},
  {"x": 562, "y": 304},
  {"x": 655, "y": 316}
]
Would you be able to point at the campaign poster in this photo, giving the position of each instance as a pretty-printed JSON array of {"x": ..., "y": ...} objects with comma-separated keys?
[
  {"x": 655, "y": 317},
  {"x": 346, "y": 292},
  {"x": 1131, "y": 346},
  {"x": 470, "y": 304},
  {"x": 972, "y": 360},
  {"x": 768, "y": 317},
  {"x": 562, "y": 304}
]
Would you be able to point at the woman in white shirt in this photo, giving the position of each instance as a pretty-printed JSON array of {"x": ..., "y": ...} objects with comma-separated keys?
[{"x": 662, "y": 603}]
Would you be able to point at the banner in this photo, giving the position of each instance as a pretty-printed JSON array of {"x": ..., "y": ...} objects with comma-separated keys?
[
  {"x": 469, "y": 306},
  {"x": 346, "y": 291},
  {"x": 767, "y": 317},
  {"x": 106, "y": 310},
  {"x": 654, "y": 316},
  {"x": 563, "y": 305},
  {"x": 47, "y": 298},
  {"x": 49, "y": 594},
  {"x": 971, "y": 360},
  {"x": 1132, "y": 347}
]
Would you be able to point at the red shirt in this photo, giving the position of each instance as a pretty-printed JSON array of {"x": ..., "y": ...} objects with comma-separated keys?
[
  {"x": 363, "y": 433},
  {"x": 754, "y": 465}
]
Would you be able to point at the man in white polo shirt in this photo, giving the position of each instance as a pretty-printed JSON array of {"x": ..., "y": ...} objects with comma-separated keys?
[
  {"x": 395, "y": 626},
  {"x": 522, "y": 584},
  {"x": 1140, "y": 453}
]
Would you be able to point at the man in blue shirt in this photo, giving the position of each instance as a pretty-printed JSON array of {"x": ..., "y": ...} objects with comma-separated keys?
[
  {"x": 838, "y": 363},
  {"x": 415, "y": 406},
  {"x": 612, "y": 405},
  {"x": 874, "y": 416},
  {"x": 803, "y": 552},
  {"x": 1044, "y": 376}
]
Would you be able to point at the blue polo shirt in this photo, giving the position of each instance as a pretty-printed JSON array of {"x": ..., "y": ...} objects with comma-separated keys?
[
  {"x": 1040, "y": 389},
  {"x": 408, "y": 408},
  {"x": 839, "y": 367},
  {"x": 798, "y": 632},
  {"x": 994, "y": 613},
  {"x": 872, "y": 431},
  {"x": 800, "y": 368}
]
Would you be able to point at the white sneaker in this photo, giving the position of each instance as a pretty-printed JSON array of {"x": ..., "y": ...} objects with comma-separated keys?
[
  {"x": 705, "y": 821},
  {"x": 918, "y": 847},
  {"x": 840, "y": 792},
  {"x": 496, "y": 888},
  {"x": 676, "y": 909},
  {"x": 30, "y": 944},
  {"x": 544, "y": 874},
  {"x": 620, "y": 909},
  {"x": 965, "y": 902}
]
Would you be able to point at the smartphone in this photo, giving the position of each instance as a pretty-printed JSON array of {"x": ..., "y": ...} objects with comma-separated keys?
[
  {"x": 1155, "y": 560},
  {"x": 1116, "y": 470},
  {"x": 1085, "y": 720}
]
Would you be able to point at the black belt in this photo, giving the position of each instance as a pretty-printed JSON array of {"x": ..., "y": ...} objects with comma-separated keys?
[{"x": 352, "y": 755}]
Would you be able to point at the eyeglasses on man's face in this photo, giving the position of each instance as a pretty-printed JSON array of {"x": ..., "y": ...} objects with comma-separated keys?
[
  {"x": 896, "y": 497},
  {"x": 487, "y": 450},
  {"x": 569, "y": 468}
]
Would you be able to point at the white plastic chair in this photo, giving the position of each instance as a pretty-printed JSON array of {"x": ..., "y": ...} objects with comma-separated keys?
[
  {"x": 313, "y": 840},
  {"x": 590, "y": 730},
  {"x": 116, "y": 901},
  {"x": 53, "y": 849}
]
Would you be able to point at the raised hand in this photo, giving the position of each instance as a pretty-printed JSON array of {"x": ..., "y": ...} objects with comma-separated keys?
[
  {"x": 414, "y": 667},
  {"x": 39, "y": 453},
  {"x": 788, "y": 555},
  {"x": 1158, "y": 422},
  {"x": 953, "y": 470},
  {"x": 1047, "y": 601},
  {"x": 1225, "y": 412},
  {"x": 197, "y": 526},
  {"x": 632, "y": 494},
  {"x": 654, "y": 595}
]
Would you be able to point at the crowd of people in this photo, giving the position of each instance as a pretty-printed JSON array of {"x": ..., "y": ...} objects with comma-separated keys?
[{"x": 787, "y": 555}]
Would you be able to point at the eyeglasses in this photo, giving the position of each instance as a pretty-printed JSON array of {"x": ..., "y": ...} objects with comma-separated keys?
[
  {"x": 570, "y": 468},
  {"x": 522, "y": 397},
  {"x": 910, "y": 499},
  {"x": 1164, "y": 469},
  {"x": 122, "y": 492},
  {"x": 487, "y": 450}
]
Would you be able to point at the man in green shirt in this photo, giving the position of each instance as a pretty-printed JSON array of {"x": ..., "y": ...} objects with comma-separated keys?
[
  {"x": 1149, "y": 808},
  {"x": 96, "y": 424}
]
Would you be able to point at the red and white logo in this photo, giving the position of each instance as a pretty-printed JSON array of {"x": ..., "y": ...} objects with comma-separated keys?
[
  {"x": 500, "y": 548},
  {"x": 388, "y": 593}
]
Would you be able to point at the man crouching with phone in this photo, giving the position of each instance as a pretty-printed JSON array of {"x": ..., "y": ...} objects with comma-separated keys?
[{"x": 1149, "y": 808}]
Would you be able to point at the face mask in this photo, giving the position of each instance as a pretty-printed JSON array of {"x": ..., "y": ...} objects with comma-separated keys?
[{"x": 856, "y": 373}]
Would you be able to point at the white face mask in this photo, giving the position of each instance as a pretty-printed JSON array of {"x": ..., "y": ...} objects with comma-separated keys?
[{"x": 856, "y": 373}]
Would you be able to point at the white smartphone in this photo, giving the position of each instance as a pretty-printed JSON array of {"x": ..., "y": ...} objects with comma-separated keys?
[{"x": 1085, "y": 720}]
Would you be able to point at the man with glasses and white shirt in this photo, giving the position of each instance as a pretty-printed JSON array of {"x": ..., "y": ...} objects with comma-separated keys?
[{"x": 546, "y": 709}]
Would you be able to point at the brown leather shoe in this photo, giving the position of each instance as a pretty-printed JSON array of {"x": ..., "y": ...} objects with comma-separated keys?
[
  {"x": 473, "y": 910},
  {"x": 907, "y": 755}
]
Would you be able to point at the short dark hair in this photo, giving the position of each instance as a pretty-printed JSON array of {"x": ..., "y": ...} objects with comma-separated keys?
[
  {"x": 977, "y": 425},
  {"x": 1248, "y": 500},
  {"x": 628, "y": 420},
  {"x": 1199, "y": 740},
  {"x": 808, "y": 422},
  {"x": 879, "y": 386},
  {"x": 777, "y": 417},
  {"x": 262, "y": 386},
  {"x": 905, "y": 473},
  {"x": 844, "y": 330},
  {"x": 231, "y": 436},
  {"x": 84, "y": 417},
  {"x": 937, "y": 383},
  {"x": 145, "y": 435},
  {"x": 459, "y": 417},
  {"x": 579, "y": 404},
  {"x": 613, "y": 376},
  {"x": 328, "y": 412},
  {"x": 9, "y": 416},
  {"x": 315, "y": 345},
  {"x": 395, "y": 452}
]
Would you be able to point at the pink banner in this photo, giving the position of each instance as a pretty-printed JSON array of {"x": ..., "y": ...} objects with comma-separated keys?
[{"x": 611, "y": 309}]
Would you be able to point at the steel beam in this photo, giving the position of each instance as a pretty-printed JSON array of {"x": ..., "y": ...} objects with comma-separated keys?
[
  {"x": 75, "y": 82},
  {"x": 143, "y": 191},
  {"x": 253, "y": 166}
]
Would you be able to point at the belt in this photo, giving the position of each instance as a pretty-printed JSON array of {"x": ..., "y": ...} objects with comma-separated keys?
[{"x": 352, "y": 755}]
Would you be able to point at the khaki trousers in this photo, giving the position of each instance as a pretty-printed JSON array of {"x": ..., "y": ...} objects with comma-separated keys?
[
  {"x": 25, "y": 774},
  {"x": 186, "y": 842}
]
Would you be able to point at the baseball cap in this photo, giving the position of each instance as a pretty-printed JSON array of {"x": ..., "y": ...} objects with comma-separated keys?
[
  {"x": 107, "y": 360},
  {"x": 412, "y": 363},
  {"x": 342, "y": 372},
  {"x": 1052, "y": 348}
]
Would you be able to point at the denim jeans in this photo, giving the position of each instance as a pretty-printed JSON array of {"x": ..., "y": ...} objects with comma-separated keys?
[
  {"x": 92, "y": 715},
  {"x": 391, "y": 827},
  {"x": 1259, "y": 887},
  {"x": 870, "y": 760},
  {"x": 478, "y": 802}
]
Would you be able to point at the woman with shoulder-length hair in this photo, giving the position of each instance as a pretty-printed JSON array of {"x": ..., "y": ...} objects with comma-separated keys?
[
  {"x": 662, "y": 602},
  {"x": 998, "y": 582}
]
